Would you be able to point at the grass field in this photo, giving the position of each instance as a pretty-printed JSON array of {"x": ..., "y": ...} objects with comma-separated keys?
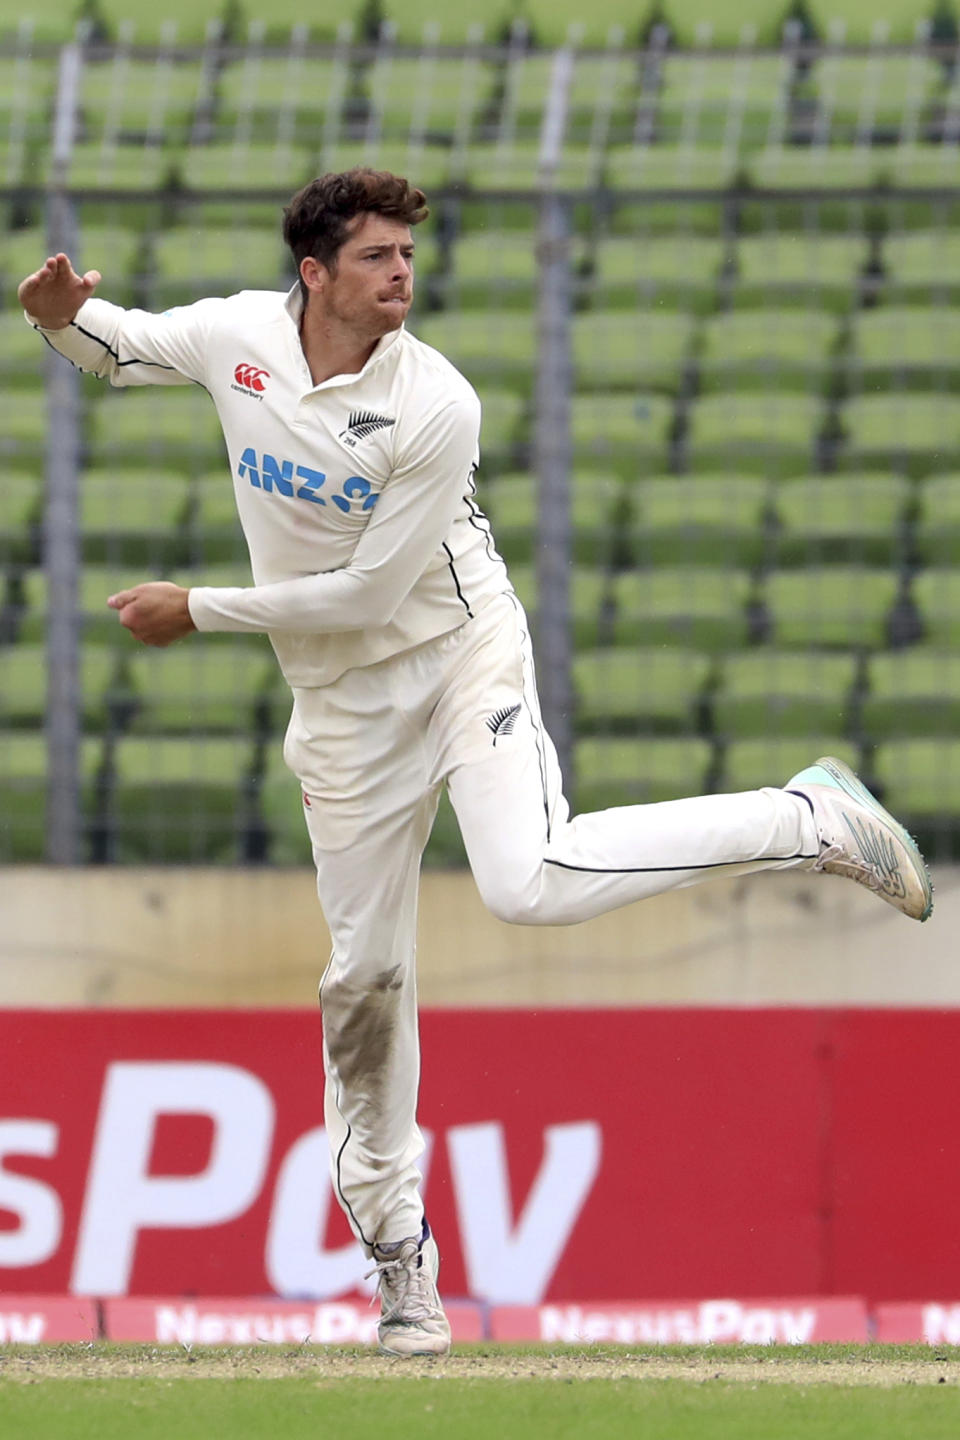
[
  {"x": 601, "y": 1393},
  {"x": 550, "y": 17}
]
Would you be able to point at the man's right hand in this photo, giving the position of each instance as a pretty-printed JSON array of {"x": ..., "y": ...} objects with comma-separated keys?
[{"x": 53, "y": 294}]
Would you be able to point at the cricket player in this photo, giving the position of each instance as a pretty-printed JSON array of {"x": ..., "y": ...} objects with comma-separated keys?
[{"x": 353, "y": 449}]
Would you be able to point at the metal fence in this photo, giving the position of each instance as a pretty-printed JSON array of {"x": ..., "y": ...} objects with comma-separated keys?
[{"x": 705, "y": 298}]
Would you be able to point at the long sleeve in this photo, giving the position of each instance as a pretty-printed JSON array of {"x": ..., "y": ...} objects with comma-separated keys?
[
  {"x": 134, "y": 347},
  {"x": 407, "y": 528}
]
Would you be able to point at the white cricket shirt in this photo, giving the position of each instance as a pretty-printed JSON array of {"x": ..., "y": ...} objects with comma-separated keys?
[{"x": 355, "y": 495}]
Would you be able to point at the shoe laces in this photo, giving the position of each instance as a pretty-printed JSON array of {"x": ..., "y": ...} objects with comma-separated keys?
[
  {"x": 866, "y": 872},
  {"x": 407, "y": 1290}
]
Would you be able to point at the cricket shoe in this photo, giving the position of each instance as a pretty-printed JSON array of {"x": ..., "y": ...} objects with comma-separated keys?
[
  {"x": 860, "y": 840},
  {"x": 412, "y": 1321}
]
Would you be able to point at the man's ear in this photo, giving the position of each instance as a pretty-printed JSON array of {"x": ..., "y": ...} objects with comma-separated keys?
[{"x": 314, "y": 275}]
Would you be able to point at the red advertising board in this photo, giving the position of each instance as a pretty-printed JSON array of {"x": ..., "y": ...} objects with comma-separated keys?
[
  {"x": 229, "y": 1321},
  {"x": 785, "y": 1321},
  {"x": 570, "y": 1153},
  {"x": 47, "y": 1319},
  {"x": 905, "y": 1323}
]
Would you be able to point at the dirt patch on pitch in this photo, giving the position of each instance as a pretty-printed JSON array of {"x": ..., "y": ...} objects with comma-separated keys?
[{"x": 813, "y": 1366}]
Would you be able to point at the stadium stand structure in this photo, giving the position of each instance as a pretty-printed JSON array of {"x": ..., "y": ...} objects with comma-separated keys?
[{"x": 762, "y": 376}]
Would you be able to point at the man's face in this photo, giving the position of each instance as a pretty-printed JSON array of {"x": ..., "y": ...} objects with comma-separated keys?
[{"x": 371, "y": 288}]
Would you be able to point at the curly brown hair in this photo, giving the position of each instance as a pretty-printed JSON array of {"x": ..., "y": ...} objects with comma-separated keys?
[{"x": 317, "y": 220}]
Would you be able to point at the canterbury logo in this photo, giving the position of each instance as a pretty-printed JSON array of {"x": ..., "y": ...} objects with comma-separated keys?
[
  {"x": 250, "y": 377},
  {"x": 501, "y": 722},
  {"x": 363, "y": 423}
]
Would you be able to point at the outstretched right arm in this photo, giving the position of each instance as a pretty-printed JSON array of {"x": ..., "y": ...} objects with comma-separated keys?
[{"x": 127, "y": 347}]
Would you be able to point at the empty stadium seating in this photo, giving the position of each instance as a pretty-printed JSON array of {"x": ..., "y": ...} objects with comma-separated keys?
[{"x": 764, "y": 412}]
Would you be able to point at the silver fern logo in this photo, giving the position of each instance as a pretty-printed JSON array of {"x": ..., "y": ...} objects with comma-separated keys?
[
  {"x": 363, "y": 423},
  {"x": 501, "y": 722}
]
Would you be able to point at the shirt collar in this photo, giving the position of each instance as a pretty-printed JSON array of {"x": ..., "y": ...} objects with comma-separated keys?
[{"x": 293, "y": 305}]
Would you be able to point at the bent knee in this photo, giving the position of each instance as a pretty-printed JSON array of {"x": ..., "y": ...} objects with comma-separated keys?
[{"x": 513, "y": 900}]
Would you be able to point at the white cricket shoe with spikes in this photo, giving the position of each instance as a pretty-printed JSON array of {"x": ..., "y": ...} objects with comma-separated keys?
[
  {"x": 860, "y": 840},
  {"x": 412, "y": 1320}
]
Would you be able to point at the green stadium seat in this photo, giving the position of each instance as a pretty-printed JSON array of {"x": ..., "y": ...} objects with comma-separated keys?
[
  {"x": 935, "y": 166},
  {"x": 201, "y": 687},
  {"x": 722, "y": 99},
  {"x": 857, "y": 519},
  {"x": 639, "y": 771},
  {"x": 23, "y": 793},
  {"x": 937, "y": 530},
  {"x": 213, "y": 533},
  {"x": 875, "y": 92},
  {"x": 510, "y": 503},
  {"x": 831, "y": 607},
  {"x": 624, "y": 432},
  {"x": 139, "y": 98},
  {"x": 493, "y": 266},
  {"x": 909, "y": 431},
  {"x": 269, "y": 93},
  {"x": 936, "y": 592},
  {"x": 771, "y": 431},
  {"x": 515, "y": 165},
  {"x": 97, "y": 165},
  {"x": 28, "y": 82},
  {"x": 133, "y": 517},
  {"x": 238, "y": 165},
  {"x": 606, "y": 82},
  {"x": 597, "y": 509},
  {"x": 669, "y": 167},
  {"x": 781, "y": 263},
  {"x": 895, "y": 338},
  {"x": 628, "y": 269},
  {"x": 818, "y": 167},
  {"x": 24, "y": 421},
  {"x": 920, "y": 262},
  {"x": 789, "y": 348},
  {"x": 751, "y": 764},
  {"x": 496, "y": 345},
  {"x": 176, "y": 800},
  {"x": 630, "y": 350},
  {"x": 920, "y": 779},
  {"x": 589, "y": 592},
  {"x": 701, "y": 607},
  {"x": 149, "y": 426},
  {"x": 21, "y": 513},
  {"x": 784, "y": 693},
  {"x": 651, "y": 689},
  {"x": 526, "y": 81},
  {"x": 501, "y": 427},
  {"x": 422, "y": 94},
  {"x": 117, "y": 250},
  {"x": 694, "y": 520},
  {"x": 24, "y": 682},
  {"x": 190, "y": 262},
  {"x": 912, "y": 692}
]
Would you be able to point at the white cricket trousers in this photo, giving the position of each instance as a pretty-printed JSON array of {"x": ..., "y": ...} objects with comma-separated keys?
[{"x": 371, "y": 752}]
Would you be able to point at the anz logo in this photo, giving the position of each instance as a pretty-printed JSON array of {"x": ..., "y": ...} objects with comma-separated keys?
[{"x": 299, "y": 482}]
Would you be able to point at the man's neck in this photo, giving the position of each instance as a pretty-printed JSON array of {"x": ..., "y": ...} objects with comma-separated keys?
[{"x": 331, "y": 348}]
